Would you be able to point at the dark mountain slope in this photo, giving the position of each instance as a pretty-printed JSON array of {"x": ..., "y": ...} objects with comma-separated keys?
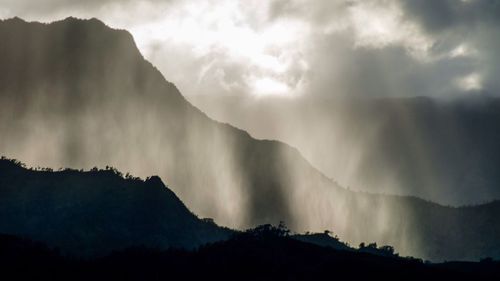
[
  {"x": 95, "y": 212},
  {"x": 322, "y": 239},
  {"x": 244, "y": 257},
  {"x": 445, "y": 151},
  {"x": 77, "y": 93}
]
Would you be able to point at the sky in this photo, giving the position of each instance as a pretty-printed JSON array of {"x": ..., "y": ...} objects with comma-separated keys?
[{"x": 371, "y": 48}]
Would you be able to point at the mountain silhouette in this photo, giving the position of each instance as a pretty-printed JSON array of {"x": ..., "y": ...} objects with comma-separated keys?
[
  {"x": 76, "y": 93},
  {"x": 252, "y": 255},
  {"x": 96, "y": 212}
]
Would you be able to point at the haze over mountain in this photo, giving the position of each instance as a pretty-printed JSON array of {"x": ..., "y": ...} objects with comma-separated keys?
[
  {"x": 443, "y": 150},
  {"x": 77, "y": 93}
]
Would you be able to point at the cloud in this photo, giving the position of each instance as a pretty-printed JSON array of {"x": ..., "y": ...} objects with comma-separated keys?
[
  {"x": 437, "y": 16},
  {"x": 47, "y": 8},
  {"x": 298, "y": 47}
]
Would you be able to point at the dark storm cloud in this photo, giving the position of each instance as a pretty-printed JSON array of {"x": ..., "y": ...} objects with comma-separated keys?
[
  {"x": 380, "y": 72},
  {"x": 462, "y": 39},
  {"x": 444, "y": 14},
  {"x": 435, "y": 15},
  {"x": 474, "y": 23}
]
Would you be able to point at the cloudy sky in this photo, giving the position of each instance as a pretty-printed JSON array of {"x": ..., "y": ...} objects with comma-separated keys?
[{"x": 297, "y": 47}]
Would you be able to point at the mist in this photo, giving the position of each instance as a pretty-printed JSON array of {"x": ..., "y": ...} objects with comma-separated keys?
[
  {"x": 442, "y": 150},
  {"x": 78, "y": 94}
]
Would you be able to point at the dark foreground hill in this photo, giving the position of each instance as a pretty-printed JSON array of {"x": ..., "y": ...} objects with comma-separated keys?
[
  {"x": 91, "y": 213},
  {"x": 253, "y": 255},
  {"x": 95, "y": 212},
  {"x": 76, "y": 93}
]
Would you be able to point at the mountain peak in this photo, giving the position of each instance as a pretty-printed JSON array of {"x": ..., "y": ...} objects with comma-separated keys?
[
  {"x": 71, "y": 26},
  {"x": 13, "y": 20},
  {"x": 155, "y": 180},
  {"x": 66, "y": 20},
  {"x": 81, "y": 56}
]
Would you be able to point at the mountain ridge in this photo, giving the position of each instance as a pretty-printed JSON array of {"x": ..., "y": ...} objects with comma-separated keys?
[
  {"x": 250, "y": 255},
  {"x": 80, "y": 96},
  {"x": 443, "y": 150},
  {"x": 95, "y": 212}
]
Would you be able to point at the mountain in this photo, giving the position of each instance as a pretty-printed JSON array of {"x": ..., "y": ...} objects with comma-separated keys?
[
  {"x": 76, "y": 93},
  {"x": 247, "y": 256},
  {"x": 97, "y": 212},
  {"x": 443, "y": 150},
  {"x": 324, "y": 240}
]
